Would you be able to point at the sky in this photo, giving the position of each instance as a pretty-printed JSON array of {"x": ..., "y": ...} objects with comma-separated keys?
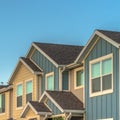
[{"x": 51, "y": 21}]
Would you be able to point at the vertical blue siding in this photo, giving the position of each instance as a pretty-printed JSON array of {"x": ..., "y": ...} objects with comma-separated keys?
[
  {"x": 54, "y": 109},
  {"x": 65, "y": 82},
  {"x": 47, "y": 67},
  {"x": 104, "y": 106}
]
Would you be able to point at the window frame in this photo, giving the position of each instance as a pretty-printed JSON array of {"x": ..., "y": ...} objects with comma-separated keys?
[
  {"x": 75, "y": 78},
  {"x": 106, "y": 119},
  {"x": 20, "y": 107},
  {"x": 101, "y": 92},
  {"x": 46, "y": 76},
  {"x": 1, "y": 113},
  {"x": 29, "y": 80}
]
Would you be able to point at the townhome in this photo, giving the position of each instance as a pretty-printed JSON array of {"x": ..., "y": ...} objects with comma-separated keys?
[
  {"x": 41, "y": 84},
  {"x": 101, "y": 58}
]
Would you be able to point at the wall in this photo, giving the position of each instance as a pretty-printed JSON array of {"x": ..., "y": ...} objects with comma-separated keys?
[{"x": 105, "y": 106}]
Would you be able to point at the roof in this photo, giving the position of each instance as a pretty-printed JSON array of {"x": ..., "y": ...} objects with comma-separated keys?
[
  {"x": 31, "y": 64},
  {"x": 114, "y": 35},
  {"x": 3, "y": 86},
  {"x": 61, "y": 54},
  {"x": 67, "y": 100},
  {"x": 39, "y": 107}
]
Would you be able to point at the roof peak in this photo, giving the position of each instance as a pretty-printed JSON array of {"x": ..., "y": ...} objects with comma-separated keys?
[
  {"x": 59, "y": 44},
  {"x": 101, "y": 30}
]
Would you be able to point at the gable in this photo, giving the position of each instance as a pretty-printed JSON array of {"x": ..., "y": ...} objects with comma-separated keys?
[
  {"x": 94, "y": 39},
  {"x": 20, "y": 72}
]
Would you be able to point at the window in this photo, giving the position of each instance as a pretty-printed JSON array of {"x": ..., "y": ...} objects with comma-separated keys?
[
  {"x": 101, "y": 75},
  {"x": 79, "y": 78},
  {"x": 2, "y": 103},
  {"x": 28, "y": 91},
  {"x": 19, "y": 95},
  {"x": 50, "y": 81}
]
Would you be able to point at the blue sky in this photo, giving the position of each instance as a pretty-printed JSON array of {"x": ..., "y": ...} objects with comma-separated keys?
[{"x": 53, "y": 21}]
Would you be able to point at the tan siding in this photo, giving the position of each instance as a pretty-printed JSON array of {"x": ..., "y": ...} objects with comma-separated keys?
[
  {"x": 77, "y": 92},
  {"x": 31, "y": 114},
  {"x": 22, "y": 75},
  {"x": 6, "y": 115}
]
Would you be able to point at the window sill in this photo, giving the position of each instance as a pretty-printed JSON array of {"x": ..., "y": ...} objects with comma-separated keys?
[
  {"x": 79, "y": 87},
  {"x": 101, "y": 93},
  {"x": 19, "y": 108},
  {"x": 2, "y": 114}
]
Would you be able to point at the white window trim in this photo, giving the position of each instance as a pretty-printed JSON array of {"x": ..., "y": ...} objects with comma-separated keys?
[
  {"x": 31, "y": 79},
  {"x": 75, "y": 71},
  {"x": 20, "y": 83},
  {"x": 47, "y": 75},
  {"x": 90, "y": 80},
  {"x": 106, "y": 119}
]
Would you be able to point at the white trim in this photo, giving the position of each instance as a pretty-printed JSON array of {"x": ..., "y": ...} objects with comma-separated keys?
[
  {"x": 74, "y": 111},
  {"x": 96, "y": 32},
  {"x": 46, "y": 80},
  {"x": 105, "y": 119},
  {"x": 100, "y": 59},
  {"x": 41, "y": 51},
  {"x": 25, "y": 87},
  {"x": 57, "y": 105},
  {"x": 75, "y": 71}
]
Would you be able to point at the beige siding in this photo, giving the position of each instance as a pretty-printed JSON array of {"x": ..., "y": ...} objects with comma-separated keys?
[
  {"x": 23, "y": 74},
  {"x": 77, "y": 92},
  {"x": 6, "y": 115},
  {"x": 30, "y": 114}
]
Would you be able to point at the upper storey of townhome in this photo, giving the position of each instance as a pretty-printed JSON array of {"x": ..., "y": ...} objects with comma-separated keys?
[{"x": 101, "y": 58}]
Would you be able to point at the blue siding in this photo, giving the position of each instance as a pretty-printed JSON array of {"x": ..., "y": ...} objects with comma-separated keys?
[
  {"x": 54, "y": 109},
  {"x": 65, "y": 81},
  {"x": 105, "y": 106},
  {"x": 47, "y": 67}
]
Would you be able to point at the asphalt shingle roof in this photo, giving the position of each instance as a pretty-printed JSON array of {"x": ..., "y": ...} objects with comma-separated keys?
[
  {"x": 114, "y": 35},
  {"x": 39, "y": 107},
  {"x": 31, "y": 64},
  {"x": 66, "y": 100},
  {"x": 61, "y": 54}
]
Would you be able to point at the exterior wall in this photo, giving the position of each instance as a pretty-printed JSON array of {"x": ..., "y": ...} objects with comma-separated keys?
[
  {"x": 47, "y": 67},
  {"x": 31, "y": 114},
  {"x": 104, "y": 106},
  {"x": 22, "y": 75},
  {"x": 77, "y": 92},
  {"x": 54, "y": 109},
  {"x": 6, "y": 115}
]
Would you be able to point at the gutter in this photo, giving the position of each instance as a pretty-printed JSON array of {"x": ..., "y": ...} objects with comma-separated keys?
[{"x": 6, "y": 89}]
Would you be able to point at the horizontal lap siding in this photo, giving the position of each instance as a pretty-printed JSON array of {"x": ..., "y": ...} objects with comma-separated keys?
[
  {"x": 21, "y": 76},
  {"x": 47, "y": 67},
  {"x": 105, "y": 106}
]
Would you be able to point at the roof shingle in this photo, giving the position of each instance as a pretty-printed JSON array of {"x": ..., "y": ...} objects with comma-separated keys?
[
  {"x": 31, "y": 64},
  {"x": 39, "y": 107},
  {"x": 66, "y": 100},
  {"x": 115, "y": 36},
  {"x": 61, "y": 54}
]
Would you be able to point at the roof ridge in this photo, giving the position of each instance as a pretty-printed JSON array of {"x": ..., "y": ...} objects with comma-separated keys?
[{"x": 60, "y": 44}]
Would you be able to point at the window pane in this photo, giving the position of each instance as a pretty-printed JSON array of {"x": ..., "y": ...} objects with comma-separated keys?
[
  {"x": 29, "y": 97},
  {"x": 50, "y": 82},
  {"x": 2, "y": 103},
  {"x": 19, "y": 101},
  {"x": 29, "y": 87},
  {"x": 95, "y": 72},
  {"x": 96, "y": 85},
  {"x": 106, "y": 66},
  {"x": 79, "y": 78},
  {"x": 19, "y": 90},
  {"x": 107, "y": 82}
]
